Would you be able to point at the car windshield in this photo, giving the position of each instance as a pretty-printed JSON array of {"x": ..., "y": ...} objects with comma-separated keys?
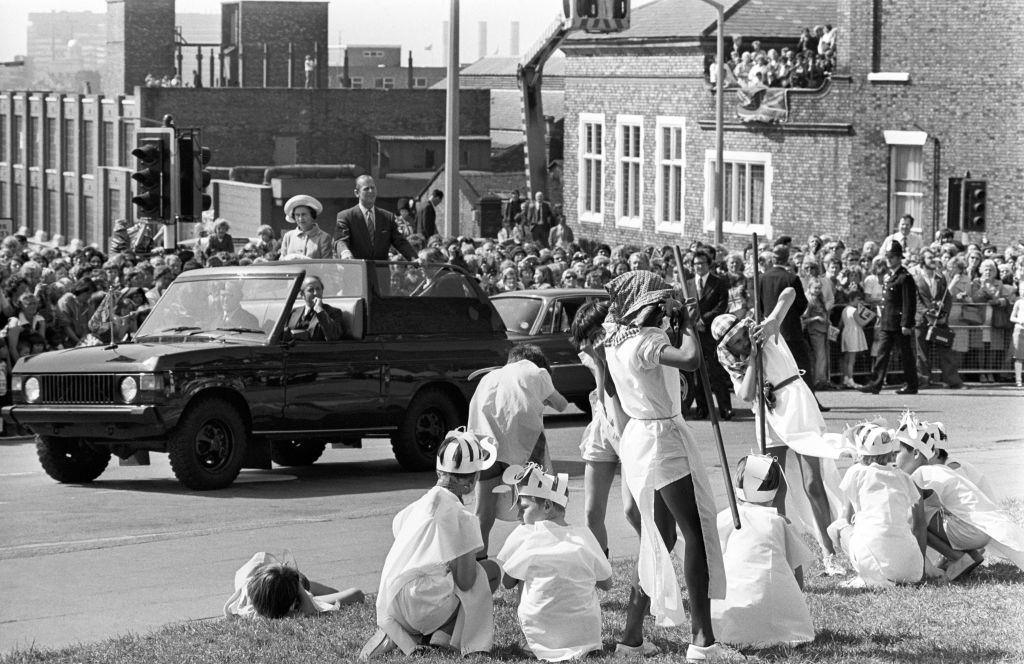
[
  {"x": 221, "y": 307},
  {"x": 518, "y": 313}
]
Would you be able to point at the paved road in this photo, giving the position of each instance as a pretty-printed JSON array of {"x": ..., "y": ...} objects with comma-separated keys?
[{"x": 135, "y": 550}]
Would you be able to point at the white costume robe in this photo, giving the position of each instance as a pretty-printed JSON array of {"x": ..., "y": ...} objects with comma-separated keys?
[
  {"x": 656, "y": 449},
  {"x": 882, "y": 546},
  {"x": 965, "y": 506},
  {"x": 559, "y": 566},
  {"x": 795, "y": 422},
  {"x": 763, "y": 605},
  {"x": 417, "y": 592},
  {"x": 508, "y": 405},
  {"x": 977, "y": 478},
  {"x": 239, "y": 605}
]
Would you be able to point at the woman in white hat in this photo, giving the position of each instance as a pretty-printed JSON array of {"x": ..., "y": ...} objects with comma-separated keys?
[{"x": 306, "y": 240}]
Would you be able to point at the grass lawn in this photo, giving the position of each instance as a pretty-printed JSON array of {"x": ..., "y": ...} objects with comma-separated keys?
[{"x": 978, "y": 619}]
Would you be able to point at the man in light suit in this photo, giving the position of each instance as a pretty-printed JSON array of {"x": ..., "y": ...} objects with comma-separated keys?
[
  {"x": 426, "y": 216},
  {"x": 316, "y": 320},
  {"x": 933, "y": 305},
  {"x": 368, "y": 232}
]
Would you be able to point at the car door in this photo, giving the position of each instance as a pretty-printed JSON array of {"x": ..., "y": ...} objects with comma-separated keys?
[{"x": 570, "y": 377}]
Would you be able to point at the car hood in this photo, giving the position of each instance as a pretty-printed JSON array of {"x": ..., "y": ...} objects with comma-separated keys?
[{"x": 142, "y": 357}]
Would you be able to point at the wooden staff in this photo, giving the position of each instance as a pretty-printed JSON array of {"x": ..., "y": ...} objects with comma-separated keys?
[
  {"x": 705, "y": 384},
  {"x": 762, "y": 430}
]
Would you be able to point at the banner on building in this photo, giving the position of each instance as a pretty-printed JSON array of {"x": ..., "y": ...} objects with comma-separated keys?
[{"x": 758, "y": 103}]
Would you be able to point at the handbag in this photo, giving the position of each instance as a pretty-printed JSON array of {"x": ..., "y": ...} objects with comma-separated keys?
[
  {"x": 865, "y": 315},
  {"x": 940, "y": 336},
  {"x": 973, "y": 314},
  {"x": 833, "y": 332}
]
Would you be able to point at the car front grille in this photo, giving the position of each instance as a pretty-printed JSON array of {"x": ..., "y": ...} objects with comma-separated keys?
[{"x": 80, "y": 389}]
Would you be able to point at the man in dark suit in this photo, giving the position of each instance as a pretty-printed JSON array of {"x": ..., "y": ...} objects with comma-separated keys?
[
  {"x": 426, "y": 216},
  {"x": 315, "y": 320},
  {"x": 232, "y": 314},
  {"x": 368, "y": 232},
  {"x": 538, "y": 217},
  {"x": 712, "y": 300},
  {"x": 933, "y": 305},
  {"x": 781, "y": 290},
  {"x": 895, "y": 324}
]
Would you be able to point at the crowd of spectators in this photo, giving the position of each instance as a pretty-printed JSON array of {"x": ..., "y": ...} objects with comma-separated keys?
[{"x": 807, "y": 65}]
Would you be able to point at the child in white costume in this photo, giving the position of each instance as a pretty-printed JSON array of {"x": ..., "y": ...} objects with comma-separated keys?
[
  {"x": 559, "y": 566},
  {"x": 764, "y": 562},
  {"x": 508, "y": 406},
  {"x": 883, "y": 529},
  {"x": 269, "y": 587},
  {"x": 965, "y": 520},
  {"x": 431, "y": 586},
  {"x": 793, "y": 422},
  {"x": 965, "y": 468}
]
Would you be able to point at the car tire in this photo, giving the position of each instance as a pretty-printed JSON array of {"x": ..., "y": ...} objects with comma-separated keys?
[
  {"x": 429, "y": 417},
  {"x": 295, "y": 453},
  {"x": 584, "y": 405},
  {"x": 207, "y": 447},
  {"x": 71, "y": 460}
]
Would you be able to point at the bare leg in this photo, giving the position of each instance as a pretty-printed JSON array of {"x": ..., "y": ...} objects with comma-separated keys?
[
  {"x": 493, "y": 571},
  {"x": 486, "y": 506},
  {"x": 815, "y": 489},
  {"x": 350, "y": 596},
  {"x": 630, "y": 510},
  {"x": 639, "y": 601},
  {"x": 597, "y": 483}
]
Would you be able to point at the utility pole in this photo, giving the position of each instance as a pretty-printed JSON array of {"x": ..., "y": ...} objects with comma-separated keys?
[{"x": 451, "y": 142}]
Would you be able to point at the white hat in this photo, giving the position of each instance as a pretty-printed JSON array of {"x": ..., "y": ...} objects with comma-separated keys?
[
  {"x": 934, "y": 432},
  {"x": 753, "y": 474},
  {"x": 533, "y": 481},
  {"x": 914, "y": 433},
  {"x": 870, "y": 439},
  {"x": 465, "y": 452},
  {"x": 301, "y": 200}
]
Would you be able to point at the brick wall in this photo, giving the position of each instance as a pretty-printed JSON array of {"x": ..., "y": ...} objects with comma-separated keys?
[
  {"x": 140, "y": 41},
  {"x": 276, "y": 24}
]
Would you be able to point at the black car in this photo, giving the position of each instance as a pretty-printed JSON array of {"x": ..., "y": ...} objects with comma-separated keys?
[{"x": 220, "y": 397}]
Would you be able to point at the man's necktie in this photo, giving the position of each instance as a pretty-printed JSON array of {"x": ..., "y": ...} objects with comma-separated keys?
[{"x": 369, "y": 221}]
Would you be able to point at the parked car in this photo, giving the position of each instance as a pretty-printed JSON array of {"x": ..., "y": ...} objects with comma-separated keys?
[
  {"x": 218, "y": 397},
  {"x": 543, "y": 317}
]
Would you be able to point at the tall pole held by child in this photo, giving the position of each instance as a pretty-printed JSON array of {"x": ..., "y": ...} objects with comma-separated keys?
[{"x": 759, "y": 403}]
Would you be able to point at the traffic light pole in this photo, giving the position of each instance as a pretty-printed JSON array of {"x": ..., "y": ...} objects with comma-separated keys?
[{"x": 171, "y": 225}]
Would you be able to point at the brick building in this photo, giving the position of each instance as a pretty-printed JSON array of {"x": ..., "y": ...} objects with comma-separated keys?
[
  {"x": 265, "y": 42},
  {"x": 378, "y": 67},
  {"x": 913, "y": 102}
]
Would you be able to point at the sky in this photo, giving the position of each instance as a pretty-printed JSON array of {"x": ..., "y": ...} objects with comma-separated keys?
[{"x": 413, "y": 24}]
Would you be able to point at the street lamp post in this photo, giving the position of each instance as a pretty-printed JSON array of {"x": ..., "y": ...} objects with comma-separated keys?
[
  {"x": 719, "y": 132},
  {"x": 451, "y": 141}
]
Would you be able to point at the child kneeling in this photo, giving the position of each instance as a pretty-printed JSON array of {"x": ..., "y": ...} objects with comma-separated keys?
[
  {"x": 764, "y": 562},
  {"x": 558, "y": 568},
  {"x": 268, "y": 588}
]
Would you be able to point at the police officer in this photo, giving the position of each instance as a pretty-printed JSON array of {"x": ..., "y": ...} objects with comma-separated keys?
[{"x": 896, "y": 324}]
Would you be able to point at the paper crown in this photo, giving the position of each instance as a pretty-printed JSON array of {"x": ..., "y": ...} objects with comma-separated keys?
[
  {"x": 531, "y": 480},
  {"x": 873, "y": 439},
  {"x": 914, "y": 433},
  {"x": 755, "y": 471},
  {"x": 466, "y": 452}
]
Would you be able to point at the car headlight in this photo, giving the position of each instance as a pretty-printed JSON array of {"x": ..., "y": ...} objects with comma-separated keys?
[
  {"x": 32, "y": 391},
  {"x": 129, "y": 389}
]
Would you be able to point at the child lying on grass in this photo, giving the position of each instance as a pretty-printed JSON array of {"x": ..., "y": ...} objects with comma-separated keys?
[{"x": 266, "y": 587}]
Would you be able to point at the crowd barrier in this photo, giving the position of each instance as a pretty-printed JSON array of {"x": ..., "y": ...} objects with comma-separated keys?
[{"x": 979, "y": 346}]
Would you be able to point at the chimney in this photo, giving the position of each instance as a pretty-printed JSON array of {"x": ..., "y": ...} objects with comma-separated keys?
[
  {"x": 346, "y": 81},
  {"x": 444, "y": 42},
  {"x": 482, "y": 40},
  {"x": 513, "y": 41},
  {"x": 410, "y": 71}
]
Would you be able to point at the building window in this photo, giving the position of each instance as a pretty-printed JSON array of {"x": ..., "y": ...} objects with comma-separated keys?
[
  {"x": 68, "y": 146},
  {"x": 386, "y": 83},
  {"x": 114, "y": 210},
  {"x": 51, "y": 143},
  {"x": 19, "y": 141},
  {"x": 373, "y": 54},
  {"x": 89, "y": 205},
  {"x": 107, "y": 145},
  {"x": 31, "y": 212},
  {"x": 429, "y": 159},
  {"x": 68, "y": 218},
  {"x": 591, "y": 171},
  {"x": 52, "y": 216},
  {"x": 88, "y": 147},
  {"x": 357, "y": 83},
  {"x": 669, "y": 181},
  {"x": 906, "y": 182},
  {"x": 419, "y": 82},
  {"x": 35, "y": 151},
  {"x": 748, "y": 184},
  {"x": 127, "y": 144},
  {"x": 3, "y": 137},
  {"x": 628, "y": 167}
]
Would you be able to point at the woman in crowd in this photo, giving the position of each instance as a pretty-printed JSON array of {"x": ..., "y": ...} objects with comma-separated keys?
[
  {"x": 989, "y": 289},
  {"x": 220, "y": 240}
]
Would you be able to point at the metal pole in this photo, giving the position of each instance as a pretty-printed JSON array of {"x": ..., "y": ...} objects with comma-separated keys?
[
  {"x": 719, "y": 131},
  {"x": 762, "y": 427},
  {"x": 451, "y": 142}
]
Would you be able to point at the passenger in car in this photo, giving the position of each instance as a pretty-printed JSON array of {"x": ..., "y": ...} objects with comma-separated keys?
[
  {"x": 316, "y": 320},
  {"x": 232, "y": 313}
]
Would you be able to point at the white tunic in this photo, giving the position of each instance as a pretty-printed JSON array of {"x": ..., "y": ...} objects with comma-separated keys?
[
  {"x": 559, "y": 567},
  {"x": 508, "y": 405},
  {"x": 965, "y": 503},
  {"x": 656, "y": 449},
  {"x": 417, "y": 592},
  {"x": 763, "y": 604},
  {"x": 882, "y": 547}
]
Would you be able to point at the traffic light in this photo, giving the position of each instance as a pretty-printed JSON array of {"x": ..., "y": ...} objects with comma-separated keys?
[
  {"x": 153, "y": 192},
  {"x": 194, "y": 177},
  {"x": 974, "y": 205},
  {"x": 597, "y": 15}
]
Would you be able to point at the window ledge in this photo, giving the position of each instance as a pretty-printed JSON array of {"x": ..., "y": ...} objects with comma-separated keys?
[
  {"x": 888, "y": 77},
  {"x": 592, "y": 217}
]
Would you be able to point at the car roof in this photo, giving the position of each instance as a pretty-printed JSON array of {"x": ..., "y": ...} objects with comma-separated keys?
[{"x": 552, "y": 293}]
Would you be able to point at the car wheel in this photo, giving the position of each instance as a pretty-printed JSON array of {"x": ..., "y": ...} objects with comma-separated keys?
[
  {"x": 430, "y": 416},
  {"x": 295, "y": 453},
  {"x": 71, "y": 460},
  {"x": 583, "y": 404},
  {"x": 208, "y": 446}
]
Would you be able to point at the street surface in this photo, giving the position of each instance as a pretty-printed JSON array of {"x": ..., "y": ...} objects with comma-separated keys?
[{"x": 135, "y": 550}]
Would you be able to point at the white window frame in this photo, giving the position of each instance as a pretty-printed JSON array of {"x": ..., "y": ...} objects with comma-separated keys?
[
  {"x": 356, "y": 83},
  {"x": 584, "y": 214},
  {"x": 904, "y": 140},
  {"x": 661, "y": 223},
  {"x": 738, "y": 157},
  {"x": 419, "y": 82},
  {"x": 621, "y": 219}
]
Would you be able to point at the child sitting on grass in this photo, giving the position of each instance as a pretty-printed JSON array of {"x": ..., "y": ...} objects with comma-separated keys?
[
  {"x": 266, "y": 587},
  {"x": 764, "y": 562},
  {"x": 882, "y": 527},
  {"x": 557, "y": 567},
  {"x": 962, "y": 520}
]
